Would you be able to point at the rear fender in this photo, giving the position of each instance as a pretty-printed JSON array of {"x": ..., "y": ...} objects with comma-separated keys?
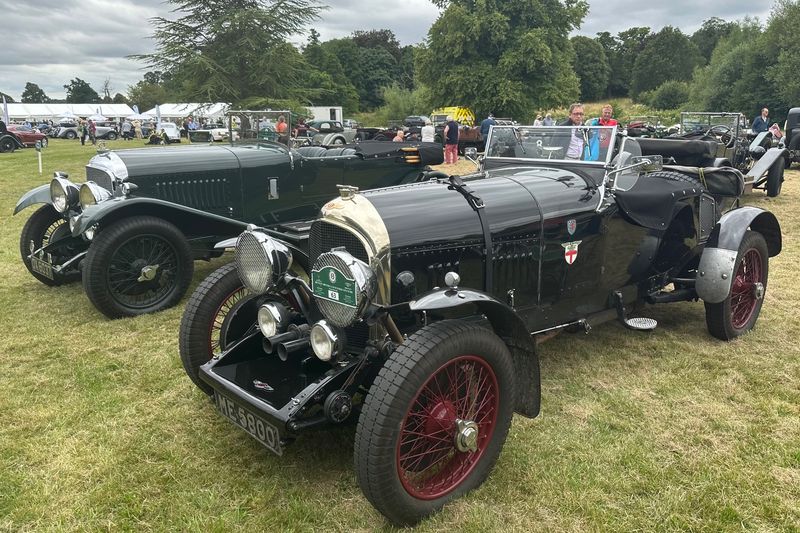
[
  {"x": 773, "y": 156},
  {"x": 39, "y": 195},
  {"x": 715, "y": 272},
  {"x": 509, "y": 327}
]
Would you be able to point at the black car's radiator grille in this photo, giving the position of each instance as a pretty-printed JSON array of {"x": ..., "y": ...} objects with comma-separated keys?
[
  {"x": 325, "y": 236},
  {"x": 99, "y": 177},
  {"x": 207, "y": 193}
]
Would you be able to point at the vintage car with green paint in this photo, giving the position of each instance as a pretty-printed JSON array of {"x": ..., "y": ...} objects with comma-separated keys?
[
  {"x": 416, "y": 312},
  {"x": 132, "y": 231}
]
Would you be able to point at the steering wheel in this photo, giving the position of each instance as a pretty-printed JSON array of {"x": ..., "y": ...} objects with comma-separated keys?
[{"x": 723, "y": 134}]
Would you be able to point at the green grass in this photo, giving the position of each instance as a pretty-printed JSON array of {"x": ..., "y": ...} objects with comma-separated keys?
[{"x": 672, "y": 430}]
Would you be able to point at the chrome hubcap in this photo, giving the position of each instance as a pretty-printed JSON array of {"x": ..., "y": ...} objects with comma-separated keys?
[
  {"x": 466, "y": 436},
  {"x": 148, "y": 273},
  {"x": 758, "y": 290}
]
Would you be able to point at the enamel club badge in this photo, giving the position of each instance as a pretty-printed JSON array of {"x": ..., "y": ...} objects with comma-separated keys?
[
  {"x": 570, "y": 251},
  {"x": 572, "y": 225}
]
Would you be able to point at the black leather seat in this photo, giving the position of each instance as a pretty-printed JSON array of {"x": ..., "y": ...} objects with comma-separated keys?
[
  {"x": 690, "y": 153},
  {"x": 321, "y": 151}
]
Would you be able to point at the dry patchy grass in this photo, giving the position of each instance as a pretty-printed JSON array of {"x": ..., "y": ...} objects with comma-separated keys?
[{"x": 672, "y": 430}]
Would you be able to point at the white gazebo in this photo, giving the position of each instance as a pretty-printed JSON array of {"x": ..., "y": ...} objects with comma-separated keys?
[
  {"x": 24, "y": 111},
  {"x": 212, "y": 111}
]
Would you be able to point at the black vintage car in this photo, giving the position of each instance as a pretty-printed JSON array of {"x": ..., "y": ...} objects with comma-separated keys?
[
  {"x": 416, "y": 310},
  {"x": 133, "y": 230}
]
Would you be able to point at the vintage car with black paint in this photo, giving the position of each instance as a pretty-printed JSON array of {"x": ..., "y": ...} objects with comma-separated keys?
[
  {"x": 416, "y": 311},
  {"x": 133, "y": 230}
]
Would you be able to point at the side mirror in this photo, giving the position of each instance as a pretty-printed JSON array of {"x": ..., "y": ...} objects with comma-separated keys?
[
  {"x": 649, "y": 163},
  {"x": 471, "y": 153}
]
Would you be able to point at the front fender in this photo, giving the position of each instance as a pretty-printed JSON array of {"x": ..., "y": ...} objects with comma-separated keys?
[
  {"x": 39, "y": 195},
  {"x": 509, "y": 327},
  {"x": 715, "y": 271},
  {"x": 117, "y": 207}
]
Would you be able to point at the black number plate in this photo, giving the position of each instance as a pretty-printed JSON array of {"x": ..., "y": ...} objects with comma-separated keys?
[
  {"x": 257, "y": 427},
  {"x": 42, "y": 267}
]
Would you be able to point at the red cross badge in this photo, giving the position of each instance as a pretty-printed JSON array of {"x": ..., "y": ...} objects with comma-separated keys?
[{"x": 570, "y": 251}]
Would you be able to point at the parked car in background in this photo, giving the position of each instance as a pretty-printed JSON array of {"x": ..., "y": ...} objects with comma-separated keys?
[
  {"x": 134, "y": 229},
  {"x": 417, "y": 310},
  {"x": 211, "y": 133},
  {"x": 171, "y": 130},
  {"x": 66, "y": 129},
  {"x": 9, "y": 142},
  {"x": 351, "y": 123},
  {"x": 27, "y": 135},
  {"x": 106, "y": 130}
]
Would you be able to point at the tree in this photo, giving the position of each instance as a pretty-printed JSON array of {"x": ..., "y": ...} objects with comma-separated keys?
[
  {"x": 621, "y": 52},
  {"x": 146, "y": 95},
  {"x": 233, "y": 51},
  {"x": 379, "y": 39},
  {"x": 591, "y": 66},
  {"x": 34, "y": 94},
  {"x": 325, "y": 73},
  {"x": 670, "y": 95},
  {"x": 709, "y": 34},
  {"x": 8, "y": 98},
  {"x": 668, "y": 55},
  {"x": 508, "y": 56},
  {"x": 780, "y": 38},
  {"x": 119, "y": 98},
  {"x": 79, "y": 91}
]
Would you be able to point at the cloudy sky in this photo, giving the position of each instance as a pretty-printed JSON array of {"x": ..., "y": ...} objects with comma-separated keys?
[{"x": 49, "y": 42}]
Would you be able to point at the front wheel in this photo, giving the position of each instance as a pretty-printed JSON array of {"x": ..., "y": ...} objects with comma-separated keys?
[
  {"x": 7, "y": 144},
  {"x": 775, "y": 179},
  {"x": 434, "y": 421},
  {"x": 44, "y": 142},
  {"x": 45, "y": 227},
  {"x": 138, "y": 265},
  {"x": 737, "y": 314},
  {"x": 111, "y": 136},
  {"x": 219, "y": 312},
  {"x": 71, "y": 135}
]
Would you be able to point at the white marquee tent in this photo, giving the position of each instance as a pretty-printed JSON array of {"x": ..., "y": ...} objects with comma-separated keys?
[
  {"x": 20, "y": 111},
  {"x": 180, "y": 111}
]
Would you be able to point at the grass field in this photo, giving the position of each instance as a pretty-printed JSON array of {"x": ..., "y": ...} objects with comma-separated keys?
[{"x": 671, "y": 430}]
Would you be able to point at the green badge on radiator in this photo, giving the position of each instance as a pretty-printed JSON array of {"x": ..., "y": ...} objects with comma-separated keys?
[{"x": 330, "y": 284}]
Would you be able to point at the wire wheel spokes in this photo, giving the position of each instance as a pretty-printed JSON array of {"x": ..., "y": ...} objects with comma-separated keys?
[
  {"x": 215, "y": 344},
  {"x": 430, "y": 461},
  {"x": 747, "y": 288},
  {"x": 143, "y": 271}
]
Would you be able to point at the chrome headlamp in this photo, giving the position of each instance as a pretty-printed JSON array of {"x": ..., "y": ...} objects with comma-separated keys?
[
  {"x": 261, "y": 260},
  {"x": 326, "y": 341},
  {"x": 63, "y": 193},
  {"x": 91, "y": 194},
  {"x": 272, "y": 318},
  {"x": 343, "y": 287}
]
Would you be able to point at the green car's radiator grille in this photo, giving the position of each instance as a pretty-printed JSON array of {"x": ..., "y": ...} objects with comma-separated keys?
[
  {"x": 325, "y": 236},
  {"x": 208, "y": 193}
]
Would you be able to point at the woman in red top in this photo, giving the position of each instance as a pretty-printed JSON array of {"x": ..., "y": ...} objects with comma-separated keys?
[
  {"x": 605, "y": 120},
  {"x": 282, "y": 129}
]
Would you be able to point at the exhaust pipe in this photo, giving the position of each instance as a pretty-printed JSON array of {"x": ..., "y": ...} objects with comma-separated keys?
[
  {"x": 295, "y": 332},
  {"x": 285, "y": 348}
]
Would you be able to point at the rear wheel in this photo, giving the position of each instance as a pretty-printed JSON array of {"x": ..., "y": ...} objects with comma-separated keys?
[
  {"x": 138, "y": 265},
  {"x": 46, "y": 226},
  {"x": 775, "y": 178},
  {"x": 44, "y": 142},
  {"x": 71, "y": 134},
  {"x": 111, "y": 136},
  {"x": 434, "y": 421},
  {"x": 7, "y": 144},
  {"x": 213, "y": 319},
  {"x": 737, "y": 314}
]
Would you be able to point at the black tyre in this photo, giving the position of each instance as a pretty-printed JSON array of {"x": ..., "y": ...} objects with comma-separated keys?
[
  {"x": 380, "y": 137},
  {"x": 46, "y": 226},
  {"x": 775, "y": 179},
  {"x": 70, "y": 134},
  {"x": 339, "y": 141},
  {"x": 136, "y": 266},
  {"x": 434, "y": 421},
  {"x": 111, "y": 136},
  {"x": 44, "y": 142},
  {"x": 670, "y": 175},
  {"x": 7, "y": 144},
  {"x": 794, "y": 146},
  {"x": 216, "y": 314},
  {"x": 738, "y": 313}
]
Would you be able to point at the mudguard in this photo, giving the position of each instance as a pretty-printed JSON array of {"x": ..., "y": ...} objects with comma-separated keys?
[
  {"x": 39, "y": 195},
  {"x": 509, "y": 327},
  {"x": 715, "y": 272},
  {"x": 765, "y": 163},
  {"x": 152, "y": 206}
]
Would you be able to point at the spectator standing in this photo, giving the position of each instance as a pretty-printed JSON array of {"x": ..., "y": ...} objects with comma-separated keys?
[
  {"x": 83, "y": 128},
  {"x": 126, "y": 130},
  {"x": 761, "y": 122},
  {"x": 548, "y": 120},
  {"x": 282, "y": 129},
  {"x": 604, "y": 120},
  {"x": 538, "y": 121},
  {"x": 577, "y": 141},
  {"x": 451, "y": 141},
  {"x": 137, "y": 129},
  {"x": 486, "y": 124},
  {"x": 185, "y": 128},
  {"x": 428, "y": 132},
  {"x": 92, "y": 131}
]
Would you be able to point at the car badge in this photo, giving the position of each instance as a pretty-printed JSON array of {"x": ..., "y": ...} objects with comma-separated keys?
[
  {"x": 332, "y": 276},
  {"x": 572, "y": 225},
  {"x": 570, "y": 251},
  {"x": 260, "y": 385}
]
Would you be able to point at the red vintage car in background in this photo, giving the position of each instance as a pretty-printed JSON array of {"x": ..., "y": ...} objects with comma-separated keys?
[{"x": 28, "y": 135}]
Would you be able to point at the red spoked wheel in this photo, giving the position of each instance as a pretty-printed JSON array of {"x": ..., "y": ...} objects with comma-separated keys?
[
  {"x": 738, "y": 313},
  {"x": 435, "y": 419},
  {"x": 447, "y": 427}
]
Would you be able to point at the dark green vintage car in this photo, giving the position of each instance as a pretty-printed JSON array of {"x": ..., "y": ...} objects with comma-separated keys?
[{"x": 133, "y": 230}]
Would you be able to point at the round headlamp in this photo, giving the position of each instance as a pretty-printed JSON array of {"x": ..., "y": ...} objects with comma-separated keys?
[
  {"x": 272, "y": 318},
  {"x": 63, "y": 194},
  {"x": 326, "y": 341},
  {"x": 261, "y": 260},
  {"x": 343, "y": 287},
  {"x": 91, "y": 193}
]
